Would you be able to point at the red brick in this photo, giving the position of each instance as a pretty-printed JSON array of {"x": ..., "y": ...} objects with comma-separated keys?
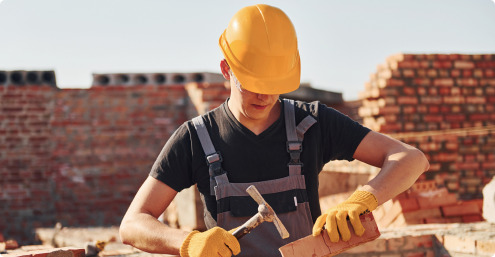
[
  {"x": 395, "y": 83},
  {"x": 425, "y": 82},
  {"x": 11, "y": 244},
  {"x": 485, "y": 64},
  {"x": 445, "y": 157},
  {"x": 460, "y": 209},
  {"x": 478, "y": 73},
  {"x": 487, "y": 82},
  {"x": 475, "y": 99},
  {"x": 433, "y": 118},
  {"x": 467, "y": 73},
  {"x": 444, "y": 90},
  {"x": 389, "y": 110},
  {"x": 467, "y": 82},
  {"x": 322, "y": 246},
  {"x": 408, "y": 204},
  {"x": 433, "y": 91},
  {"x": 443, "y": 82},
  {"x": 407, "y": 100},
  {"x": 424, "y": 186},
  {"x": 478, "y": 202},
  {"x": 442, "y": 64},
  {"x": 472, "y": 218},
  {"x": 467, "y": 166},
  {"x": 488, "y": 165},
  {"x": 409, "y": 91},
  {"x": 455, "y": 90},
  {"x": 470, "y": 181},
  {"x": 453, "y": 99},
  {"x": 432, "y": 73},
  {"x": 442, "y": 220},
  {"x": 436, "y": 201},
  {"x": 422, "y": 214},
  {"x": 408, "y": 109},
  {"x": 430, "y": 99},
  {"x": 464, "y": 65},
  {"x": 455, "y": 117},
  {"x": 433, "y": 108},
  {"x": 479, "y": 117},
  {"x": 409, "y": 126},
  {"x": 435, "y": 167},
  {"x": 455, "y": 73}
]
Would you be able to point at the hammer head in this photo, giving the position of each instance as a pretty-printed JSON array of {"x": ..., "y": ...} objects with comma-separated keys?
[{"x": 267, "y": 212}]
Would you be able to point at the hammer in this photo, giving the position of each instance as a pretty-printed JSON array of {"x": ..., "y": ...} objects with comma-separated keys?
[{"x": 265, "y": 213}]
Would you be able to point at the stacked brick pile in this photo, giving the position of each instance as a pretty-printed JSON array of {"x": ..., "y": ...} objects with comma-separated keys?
[
  {"x": 430, "y": 92},
  {"x": 426, "y": 202},
  {"x": 445, "y": 106}
]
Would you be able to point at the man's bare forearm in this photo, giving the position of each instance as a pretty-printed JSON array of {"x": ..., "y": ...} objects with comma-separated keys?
[
  {"x": 399, "y": 172},
  {"x": 146, "y": 233}
]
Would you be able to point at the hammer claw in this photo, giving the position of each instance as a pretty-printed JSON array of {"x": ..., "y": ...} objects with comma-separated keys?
[{"x": 281, "y": 228}]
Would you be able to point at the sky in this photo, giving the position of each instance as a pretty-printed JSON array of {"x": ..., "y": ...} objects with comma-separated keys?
[{"x": 340, "y": 41}]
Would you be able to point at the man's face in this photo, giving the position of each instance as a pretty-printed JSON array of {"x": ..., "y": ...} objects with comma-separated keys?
[{"x": 253, "y": 106}]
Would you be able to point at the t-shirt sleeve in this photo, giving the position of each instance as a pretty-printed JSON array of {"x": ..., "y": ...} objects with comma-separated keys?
[
  {"x": 341, "y": 135},
  {"x": 173, "y": 165}
]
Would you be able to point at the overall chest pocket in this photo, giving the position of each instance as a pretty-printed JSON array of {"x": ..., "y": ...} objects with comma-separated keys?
[{"x": 245, "y": 206}]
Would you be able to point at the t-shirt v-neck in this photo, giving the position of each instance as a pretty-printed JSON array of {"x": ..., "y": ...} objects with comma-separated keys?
[{"x": 238, "y": 125}]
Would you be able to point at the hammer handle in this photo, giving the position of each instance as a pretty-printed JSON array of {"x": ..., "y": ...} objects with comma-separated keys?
[{"x": 248, "y": 226}]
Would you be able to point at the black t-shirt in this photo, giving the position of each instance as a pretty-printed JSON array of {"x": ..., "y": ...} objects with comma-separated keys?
[{"x": 250, "y": 158}]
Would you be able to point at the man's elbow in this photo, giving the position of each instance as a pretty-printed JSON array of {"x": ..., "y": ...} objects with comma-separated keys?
[
  {"x": 421, "y": 161},
  {"x": 124, "y": 232}
]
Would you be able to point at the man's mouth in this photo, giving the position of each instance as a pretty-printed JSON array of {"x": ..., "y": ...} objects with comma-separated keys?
[{"x": 259, "y": 107}]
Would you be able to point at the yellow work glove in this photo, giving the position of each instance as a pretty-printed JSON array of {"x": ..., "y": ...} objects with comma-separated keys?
[
  {"x": 214, "y": 242},
  {"x": 360, "y": 202}
]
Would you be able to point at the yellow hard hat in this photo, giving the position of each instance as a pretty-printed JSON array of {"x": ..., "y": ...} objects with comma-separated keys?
[{"x": 260, "y": 46}]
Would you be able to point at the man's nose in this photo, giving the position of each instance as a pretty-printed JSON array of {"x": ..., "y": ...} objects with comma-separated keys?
[{"x": 262, "y": 97}]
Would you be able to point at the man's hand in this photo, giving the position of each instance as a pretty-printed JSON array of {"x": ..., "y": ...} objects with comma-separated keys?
[
  {"x": 214, "y": 242},
  {"x": 360, "y": 202}
]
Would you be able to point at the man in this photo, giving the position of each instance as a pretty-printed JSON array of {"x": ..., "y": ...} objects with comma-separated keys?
[{"x": 255, "y": 138}]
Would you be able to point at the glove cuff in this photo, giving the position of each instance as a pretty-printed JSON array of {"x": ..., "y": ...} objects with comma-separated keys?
[
  {"x": 185, "y": 245},
  {"x": 366, "y": 198}
]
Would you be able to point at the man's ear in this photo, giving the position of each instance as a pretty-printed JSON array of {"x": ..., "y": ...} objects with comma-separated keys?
[{"x": 224, "y": 67}]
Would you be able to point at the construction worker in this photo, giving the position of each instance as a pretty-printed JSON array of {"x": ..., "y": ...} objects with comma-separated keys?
[{"x": 278, "y": 145}]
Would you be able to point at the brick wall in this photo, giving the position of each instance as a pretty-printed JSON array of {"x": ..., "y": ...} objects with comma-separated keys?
[
  {"x": 26, "y": 200},
  {"x": 105, "y": 141},
  {"x": 445, "y": 106}
]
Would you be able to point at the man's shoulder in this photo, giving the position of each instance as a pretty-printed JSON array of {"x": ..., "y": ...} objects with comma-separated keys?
[{"x": 307, "y": 108}]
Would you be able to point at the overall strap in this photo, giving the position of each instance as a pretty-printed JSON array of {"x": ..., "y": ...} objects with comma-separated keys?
[
  {"x": 295, "y": 136},
  {"x": 213, "y": 158}
]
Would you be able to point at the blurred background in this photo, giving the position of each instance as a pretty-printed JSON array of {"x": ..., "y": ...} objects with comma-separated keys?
[{"x": 90, "y": 91}]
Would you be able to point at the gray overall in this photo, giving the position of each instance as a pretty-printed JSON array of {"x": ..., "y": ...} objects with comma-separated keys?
[{"x": 287, "y": 195}]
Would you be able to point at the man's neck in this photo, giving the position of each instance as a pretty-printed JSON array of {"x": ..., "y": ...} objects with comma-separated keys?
[{"x": 257, "y": 126}]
